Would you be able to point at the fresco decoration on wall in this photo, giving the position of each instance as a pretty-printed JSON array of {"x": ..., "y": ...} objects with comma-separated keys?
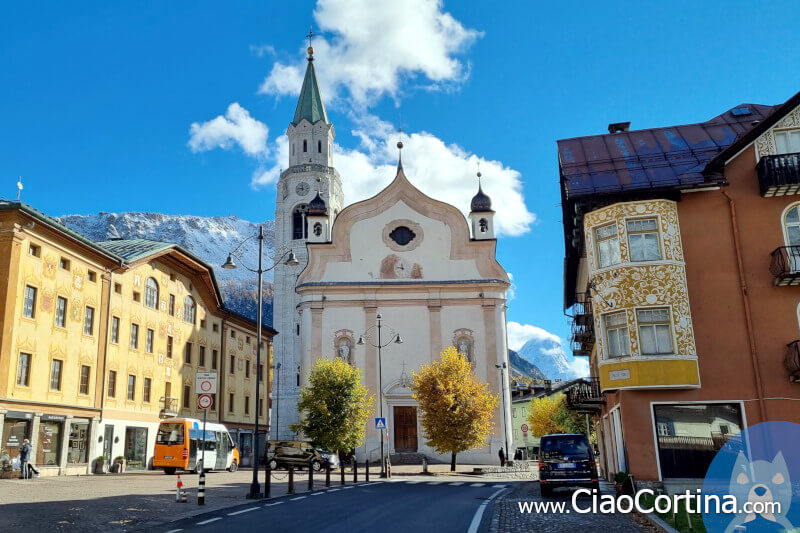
[
  {"x": 75, "y": 310},
  {"x": 87, "y": 357},
  {"x": 137, "y": 279},
  {"x": 49, "y": 266},
  {"x": 78, "y": 278},
  {"x": 627, "y": 285},
  {"x": 765, "y": 144},
  {"x": 47, "y": 300},
  {"x": 396, "y": 267}
]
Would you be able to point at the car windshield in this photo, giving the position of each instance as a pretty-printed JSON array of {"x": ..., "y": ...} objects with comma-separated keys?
[
  {"x": 170, "y": 434},
  {"x": 567, "y": 447}
]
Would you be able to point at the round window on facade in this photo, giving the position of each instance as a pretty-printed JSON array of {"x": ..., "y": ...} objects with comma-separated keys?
[{"x": 402, "y": 235}]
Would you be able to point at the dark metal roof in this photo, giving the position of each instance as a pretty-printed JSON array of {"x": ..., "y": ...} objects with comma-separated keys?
[
  {"x": 481, "y": 203},
  {"x": 317, "y": 207},
  {"x": 655, "y": 158}
]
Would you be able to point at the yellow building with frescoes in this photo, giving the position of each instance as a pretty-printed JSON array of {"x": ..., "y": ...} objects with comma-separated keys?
[{"x": 102, "y": 340}]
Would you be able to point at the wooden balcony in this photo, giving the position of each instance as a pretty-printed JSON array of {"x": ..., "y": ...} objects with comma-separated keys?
[
  {"x": 586, "y": 397},
  {"x": 582, "y": 325},
  {"x": 779, "y": 175}
]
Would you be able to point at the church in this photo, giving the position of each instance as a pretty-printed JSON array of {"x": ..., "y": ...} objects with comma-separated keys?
[{"x": 386, "y": 284}]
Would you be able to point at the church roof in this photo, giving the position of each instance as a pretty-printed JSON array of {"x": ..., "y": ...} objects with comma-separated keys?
[
  {"x": 481, "y": 203},
  {"x": 317, "y": 206},
  {"x": 309, "y": 105}
]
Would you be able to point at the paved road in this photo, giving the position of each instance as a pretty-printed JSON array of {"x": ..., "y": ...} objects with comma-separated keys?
[{"x": 385, "y": 506}]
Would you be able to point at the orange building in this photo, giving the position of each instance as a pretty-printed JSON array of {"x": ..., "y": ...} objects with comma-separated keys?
[
  {"x": 99, "y": 341},
  {"x": 681, "y": 275}
]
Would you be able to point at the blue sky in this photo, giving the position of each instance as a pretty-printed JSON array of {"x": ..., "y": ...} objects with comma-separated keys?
[{"x": 97, "y": 101}]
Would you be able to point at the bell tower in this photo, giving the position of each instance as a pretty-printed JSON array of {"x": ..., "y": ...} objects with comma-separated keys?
[{"x": 310, "y": 171}]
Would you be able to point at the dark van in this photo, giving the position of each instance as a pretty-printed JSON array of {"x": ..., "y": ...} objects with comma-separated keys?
[{"x": 566, "y": 460}]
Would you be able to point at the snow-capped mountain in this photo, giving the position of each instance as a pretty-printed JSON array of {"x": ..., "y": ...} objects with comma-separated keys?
[
  {"x": 209, "y": 238},
  {"x": 549, "y": 357}
]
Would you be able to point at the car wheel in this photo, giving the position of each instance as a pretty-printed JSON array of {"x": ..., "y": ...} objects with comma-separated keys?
[
  {"x": 234, "y": 466},
  {"x": 316, "y": 465},
  {"x": 273, "y": 464},
  {"x": 169, "y": 470}
]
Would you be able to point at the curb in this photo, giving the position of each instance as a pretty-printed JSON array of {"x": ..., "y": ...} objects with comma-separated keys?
[{"x": 657, "y": 522}]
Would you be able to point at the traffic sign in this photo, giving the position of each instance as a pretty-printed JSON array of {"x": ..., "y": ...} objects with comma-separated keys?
[
  {"x": 524, "y": 427},
  {"x": 205, "y": 383},
  {"x": 204, "y": 401},
  {"x": 380, "y": 423}
]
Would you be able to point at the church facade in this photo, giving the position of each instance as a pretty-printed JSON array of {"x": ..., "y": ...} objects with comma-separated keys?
[{"x": 400, "y": 270}]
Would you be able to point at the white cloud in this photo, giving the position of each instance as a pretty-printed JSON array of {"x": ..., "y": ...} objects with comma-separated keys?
[
  {"x": 236, "y": 127},
  {"x": 373, "y": 46},
  {"x": 511, "y": 293},
  {"x": 519, "y": 334},
  {"x": 443, "y": 171}
]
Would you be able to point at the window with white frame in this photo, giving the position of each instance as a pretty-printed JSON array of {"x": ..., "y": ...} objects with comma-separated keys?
[
  {"x": 643, "y": 239},
  {"x": 607, "y": 245},
  {"x": 151, "y": 293},
  {"x": 655, "y": 332},
  {"x": 618, "y": 339},
  {"x": 788, "y": 141}
]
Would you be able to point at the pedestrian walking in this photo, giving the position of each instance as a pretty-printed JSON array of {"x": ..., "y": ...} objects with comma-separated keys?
[
  {"x": 502, "y": 455},
  {"x": 24, "y": 458}
]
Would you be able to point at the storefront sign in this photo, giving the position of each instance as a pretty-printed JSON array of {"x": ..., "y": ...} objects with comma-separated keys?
[
  {"x": 60, "y": 418},
  {"x": 19, "y": 414},
  {"x": 616, "y": 375}
]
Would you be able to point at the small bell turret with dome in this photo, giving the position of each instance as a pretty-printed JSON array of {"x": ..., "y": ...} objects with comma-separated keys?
[
  {"x": 481, "y": 215},
  {"x": 317, "y": 219}
]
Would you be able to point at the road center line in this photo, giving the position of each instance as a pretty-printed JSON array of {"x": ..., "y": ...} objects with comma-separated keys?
[
  {"x": 432, "y": 483},
  {"x": 243, "y": 511},
  {"x": 476, "y": 520},
  {"x": 298, "y": 498},
  {"x": 477, "y": 484},
  {"x": 174, "y": 530},
  {"x": 204, "y": 522},
  {"x": 456, "y": 484},
  {"x": 271, "y": 504},
  {"x": 318, "y": 494}
]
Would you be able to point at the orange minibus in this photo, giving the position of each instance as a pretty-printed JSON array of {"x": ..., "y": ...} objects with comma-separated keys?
[{"x": 179, "y": 445}]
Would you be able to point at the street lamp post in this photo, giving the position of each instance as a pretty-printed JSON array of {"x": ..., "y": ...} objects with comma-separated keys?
[
  {"x": 397, "y": 340},
  {"x": 500, "y": 368},
  {"x": 291, "y": 260},
  {"x": 277, "y": 368}
]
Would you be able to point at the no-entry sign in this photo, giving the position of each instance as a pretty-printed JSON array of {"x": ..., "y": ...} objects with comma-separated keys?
[
  {"x": 524, "y": 428},
  {"x": 205, "y": 383},
  {"x": 204, "y": 401}
]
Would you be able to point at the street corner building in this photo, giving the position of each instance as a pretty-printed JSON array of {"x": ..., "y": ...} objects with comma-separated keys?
[
  {"x": 681, "y": 275},
  {"x": 400, "y": 257},
  {"x": 99, "y": 341}
]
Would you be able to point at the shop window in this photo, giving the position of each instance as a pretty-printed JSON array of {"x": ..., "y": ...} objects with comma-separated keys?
[
  {"x": 617, "y": 335},
  {"x": 29, "y": 305},
  {"x": 655, "y": 333},
  {"x": 690, "y": 435},
  {"x": 112, "y": 383},
  {"x": 24, "y": 369},
  {"x": 16, "y": 428},
  {"x": 56, "y": 365},
  {"x": 148, "y": 385},
  {"x": 134, "y": 336},
  {"x": 88, "y": 321},
  {"x": 61, "y": 312},
  {"x": 643, "y": 239},
  {"x": 84, "y": 384},
  {"x": 48, "y": 449},
  {"x": 115, "y": 330},
  {"x": 607, "y": 245},
  {"x": 151, "y": 293},
  {"x": 78, "y": 442},
  {"x": 148, "y": 340}
]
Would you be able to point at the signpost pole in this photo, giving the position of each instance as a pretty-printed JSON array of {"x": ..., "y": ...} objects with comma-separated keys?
[{"x": 201, "y": 491}]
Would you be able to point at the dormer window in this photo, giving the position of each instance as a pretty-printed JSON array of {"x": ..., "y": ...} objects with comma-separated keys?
[{"x": 787, "y": 141}]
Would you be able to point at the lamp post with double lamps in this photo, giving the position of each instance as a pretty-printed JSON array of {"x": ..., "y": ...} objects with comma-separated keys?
[
  {"x": 394, "y": 338},
  {"x": 291, "y": 260}
]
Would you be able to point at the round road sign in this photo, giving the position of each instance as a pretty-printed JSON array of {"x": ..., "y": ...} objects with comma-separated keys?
[
  {"x": 206, "y": 385},
  {"x": 204, "y": 401},
  {"x": 524, "y": 427}
]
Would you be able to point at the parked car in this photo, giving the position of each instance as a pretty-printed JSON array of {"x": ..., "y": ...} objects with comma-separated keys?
[
  {"x": 566, "y": 460},
  {"x": 283, "y": 454}
]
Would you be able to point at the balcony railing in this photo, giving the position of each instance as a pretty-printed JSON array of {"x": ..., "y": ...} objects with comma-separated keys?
[
  {"x": 582, "y": 324},
  {"x": 586, "y": 397},
  {"x": 792, "y": 361},
  {"x": 785, "y": 265},
  {"x": 169, "y": 407},
  {"x": 779, "y": 175}
]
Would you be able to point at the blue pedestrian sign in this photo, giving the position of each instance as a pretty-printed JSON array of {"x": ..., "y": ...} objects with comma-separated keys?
[{"x": 380, "y": 423}]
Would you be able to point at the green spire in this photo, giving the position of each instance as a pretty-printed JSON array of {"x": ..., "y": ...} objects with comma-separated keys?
[{"x": 310, "y": 105}]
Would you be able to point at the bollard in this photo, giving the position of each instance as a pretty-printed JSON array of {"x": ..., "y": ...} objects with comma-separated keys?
[
  {"x": 267, "y": 481},
  {"x": 355, "y": 470},
  {"x": 201, "y": 489},
  {"x": 424, "y": 465},
  {"x": 310, "y": 475},
  {"x": 341, "y": 470},
  {"x": 291, "y": 480},
  {"x": 366, "y": 472},
  {"x": 328, "y": 475},
  {"x": 388, "y": 469},
  {"x": 178, "y": 490}
]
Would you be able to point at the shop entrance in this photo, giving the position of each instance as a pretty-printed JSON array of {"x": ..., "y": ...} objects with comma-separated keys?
[{"x": 135, "y": 448}]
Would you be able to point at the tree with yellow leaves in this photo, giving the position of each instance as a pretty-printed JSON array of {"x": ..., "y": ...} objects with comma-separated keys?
[
  {"x": 335, "y": 406},
  {"x": 542, "y": 415},
  {"x": 456, "y": 407}
]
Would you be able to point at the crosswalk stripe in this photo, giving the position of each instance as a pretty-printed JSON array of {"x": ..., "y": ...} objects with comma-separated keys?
[
  {"x": 478, "y": 485},
  {"x": 298, "y": 498},
  {"x": 271, "y": 504},
  {"x": 243, "y": 511},
  {"x": 204, "y": 522},
  {"x": 318, "y": 494}
]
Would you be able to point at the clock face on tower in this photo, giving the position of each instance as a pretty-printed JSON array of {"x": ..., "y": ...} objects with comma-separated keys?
[{"x": 302, "y": 188}]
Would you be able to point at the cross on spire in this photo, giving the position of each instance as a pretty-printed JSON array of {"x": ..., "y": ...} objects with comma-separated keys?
[{"x": 310, "y": 48}]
